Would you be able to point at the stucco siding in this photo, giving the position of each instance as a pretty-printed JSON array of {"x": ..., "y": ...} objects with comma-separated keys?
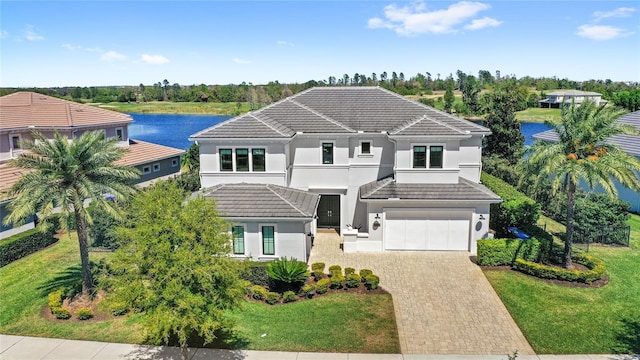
[{"x": 290, "y": 239}]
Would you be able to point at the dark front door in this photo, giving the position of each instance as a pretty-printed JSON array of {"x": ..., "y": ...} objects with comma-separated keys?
[{"x": 329, "y": 211}]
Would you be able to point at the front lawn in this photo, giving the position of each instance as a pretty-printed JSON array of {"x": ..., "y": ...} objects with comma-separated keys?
[
  {"x": 565, "y": 320},
  {"x": 333, "y": 323}
]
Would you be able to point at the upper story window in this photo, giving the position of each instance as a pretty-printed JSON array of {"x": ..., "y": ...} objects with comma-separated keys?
[
  {"x": 435, "y": 157},
  {"x": 258, "y": 159},
  {"x": 365, "y": 147},
  {"x": 327, "y": 153},
  {"x": 242, "y": 159},
  {"x": 419, "y": 157},
  {"x": 226, "y": 160}
]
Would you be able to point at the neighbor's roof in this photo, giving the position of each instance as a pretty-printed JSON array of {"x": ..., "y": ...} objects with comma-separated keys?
[
  {"x": 23, "y": 110},
  {"x": 388, "y": 188},
  {"x": 335, "y": 110},
  {"x": 8, "y": 176},
  {"x": 628, "y": 143},
  {"x": 573, "y": 93},
  {"x": 245, "y": 200},
  {"x": 141, "y": 152}
]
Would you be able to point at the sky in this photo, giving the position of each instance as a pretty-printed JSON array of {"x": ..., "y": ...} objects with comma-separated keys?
[{"x": 101, "y": 43}]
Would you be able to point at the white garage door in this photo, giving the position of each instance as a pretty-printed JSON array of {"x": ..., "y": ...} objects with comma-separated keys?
[{"x": 427, "y": 230}]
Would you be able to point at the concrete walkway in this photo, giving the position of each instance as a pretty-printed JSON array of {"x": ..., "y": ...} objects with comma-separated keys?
[
  {"x": 33, "y": 348},
  {"x": 443, "y": 302}
]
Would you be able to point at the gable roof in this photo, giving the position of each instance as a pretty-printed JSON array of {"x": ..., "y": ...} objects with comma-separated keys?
[
  {"x": 388, "y": 188},
  {"x": 24, "y": 109},
  {"x": 628, "y": 143},
  {"x": 142, "y": 152},
  {"x": 335, "y": 110},
  {"x": 245, "y": 200}
]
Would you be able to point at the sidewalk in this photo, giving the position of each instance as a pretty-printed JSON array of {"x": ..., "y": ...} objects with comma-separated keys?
[{"x": 33, "y": 348}]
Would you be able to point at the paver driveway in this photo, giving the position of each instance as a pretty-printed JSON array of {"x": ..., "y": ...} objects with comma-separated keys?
[{"x": 443, "y": 302}]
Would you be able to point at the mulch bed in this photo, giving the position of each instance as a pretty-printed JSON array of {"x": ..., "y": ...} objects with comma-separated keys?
[
  {"x": 76, "y": 303},
  {"x": 596, "y": 284}
]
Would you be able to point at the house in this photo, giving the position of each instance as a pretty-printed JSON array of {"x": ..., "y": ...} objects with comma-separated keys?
[
  {"x": 23, "y": 112},
  {"x": 390, "y": 173},
  {"x": 628, "y": 143},
  {"x": 558, "y": 99}
]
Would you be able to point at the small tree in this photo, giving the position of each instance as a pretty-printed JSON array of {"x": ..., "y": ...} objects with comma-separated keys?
[
  {"x": 174, "y": 266},
  {"x": 506, "y": 140},
  {"x": 448, "y": 96}
]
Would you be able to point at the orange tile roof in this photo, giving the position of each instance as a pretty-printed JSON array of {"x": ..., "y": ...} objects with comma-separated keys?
[
  {"x": 141, "y": 152},
  {"x": 8, "y": 176},
  {"x": 28, "y": 109}
]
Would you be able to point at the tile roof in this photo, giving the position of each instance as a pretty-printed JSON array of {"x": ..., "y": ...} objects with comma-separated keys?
[
  {"x": 262, "y": 201},
  {"x": 8, "y": 176},
  {"x": 141, "y": 152},
  {"x": 28, "y": 109},
  {"x": 628, "y": 143},
  {"x": 343, "y": 110},
  {"x": 387, "y": 188},
  {"x": 574, "y": 93}
]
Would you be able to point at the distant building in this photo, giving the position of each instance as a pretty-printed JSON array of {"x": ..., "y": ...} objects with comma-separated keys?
[
  {"x": 23, "y": 112},
  {"x": 558, "y": 99}
]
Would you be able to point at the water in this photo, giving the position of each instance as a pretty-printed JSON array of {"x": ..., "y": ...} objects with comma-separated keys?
[
  {"x": 170, "y": 129},
  {"x": 174, "y": 130}
]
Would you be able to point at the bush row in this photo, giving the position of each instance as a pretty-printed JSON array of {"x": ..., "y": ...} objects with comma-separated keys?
[
  {"x": 500, "y": 252},
  {"x": 23, "y": 244},
  {"x": 596, "y": 269},
  {"x": 56, "y": 299}
]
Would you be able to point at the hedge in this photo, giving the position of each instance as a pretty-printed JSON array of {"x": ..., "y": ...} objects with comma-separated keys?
[
  {"x": 23, "y": 244},
  {"x": 499, "y": 252},
  {"x": 516, "y": 208},
  {"x": 596, "y": 269}
]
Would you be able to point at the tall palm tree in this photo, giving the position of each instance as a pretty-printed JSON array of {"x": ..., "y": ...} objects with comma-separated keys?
[
  {"x": 582, "y": 154},
  {"x": 63, "y": 175}
]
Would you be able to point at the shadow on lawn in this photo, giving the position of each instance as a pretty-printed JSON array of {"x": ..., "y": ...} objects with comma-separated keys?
[
  {"x": 69, "y": 278},
  {"x": 628, "y": 338}
]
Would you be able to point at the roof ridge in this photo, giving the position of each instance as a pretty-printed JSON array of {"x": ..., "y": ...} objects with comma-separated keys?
[
  {"x": 335, "y": 122},
  {"x": 385, "y": 181},
  {"x": 269, "y": 186},
  {"x": 267, "y": 122},
  {"x": 220, "y": 124},
  {"x": 408, "y": 124},
  {"x": 449, "y": 126}
]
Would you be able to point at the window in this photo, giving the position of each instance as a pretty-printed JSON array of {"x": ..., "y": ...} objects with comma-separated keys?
[
  {"x": 226, "y": 160},
  {"x": 174, "y": 162},
  {"x": 242, "y": 159},
  {"x": 15, "y": 142},
  {"x": 268, "y": 240},
  {"x": 327, "y": 153},
  {"x": 435, "y": 157},
  {"x": 119, "y": 134},
  {"x": 156, "y": 167},
  {"x": 238, "y": 240},
  {"x": 419, "y": 157},
  {"x": 146, "y": 170},
  {"x": 257, "y": 157},
  {"x": 365, "y": 147}
]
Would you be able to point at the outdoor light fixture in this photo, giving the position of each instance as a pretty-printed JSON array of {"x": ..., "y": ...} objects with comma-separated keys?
[
  {"x": 481, "y": 217},
  {"x": 378, "y": 217}
]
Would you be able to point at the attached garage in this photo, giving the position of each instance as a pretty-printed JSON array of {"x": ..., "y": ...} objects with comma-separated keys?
[{"x": 427, "y": 229}]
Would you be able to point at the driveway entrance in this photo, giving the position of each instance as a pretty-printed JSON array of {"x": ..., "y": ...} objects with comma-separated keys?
[{"x": 443, "y": 302}]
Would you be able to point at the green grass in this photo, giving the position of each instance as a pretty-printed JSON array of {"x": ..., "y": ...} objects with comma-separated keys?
[
  {"x": 317, "y": 325},
  {"x": 538, "y": 115},
  {"x": 564, "y": 320},
  {"x": 168, "y": 107}
]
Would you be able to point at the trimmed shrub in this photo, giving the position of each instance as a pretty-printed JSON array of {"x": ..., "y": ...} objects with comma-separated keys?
[
  {"x": 84, "y": 313},
  {"x": 61, "y": 313},
  {"x": 259, "y": 292},
  {"x": 372, "y": 282},
  {"x": 499, "y": 252},
  {"x": 20, "y": 245},
  {"x": 55, "y": 299},
  {"x": 317, "y": 274},
  {"x": 364, "y": 272},
  {"x": 596, "y": 269},
  {"x": 323, "y": 286},
  {"x": 118, "y": 308},
  {"x": 337, "y": 280},
  {"x": 288, "y": 272},
  {"x": 353, "y": 280},
  {"x": 334, "y": 268},
  {"x": 272, "y": 298},
  {"x": 349, "y": 270},
  {"x": 317, "y": 266},
  {"x": 309, "y": 290},
  {"x": 247, "y": 287},
  {"x": 289, "y": 296},
  {"x": 256, "y": 273}
]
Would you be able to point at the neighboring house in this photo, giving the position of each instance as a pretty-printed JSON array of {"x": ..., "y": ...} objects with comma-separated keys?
[
  {"x": 558, "y": 99},
  {"x": 392, "y": 174},
  {"x": 23, "y": 112},
  {"x": 628, "y": 143}
]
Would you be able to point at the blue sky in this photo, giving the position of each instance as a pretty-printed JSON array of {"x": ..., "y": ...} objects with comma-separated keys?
[{"x": 84, "y": 43}]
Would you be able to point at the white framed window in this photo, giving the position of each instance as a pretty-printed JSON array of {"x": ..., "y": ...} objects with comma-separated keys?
[
  {"x": 366, "y": 148},
  {"x": 175, "y": 162},
  {"x": 327, "y": 152},
  {"x": 427, "y": 156},
  {"x": 419, "y": 157},
  {"x": 156, "y": 167},
  {"x": 16, "y": 142},
  {"x": 242, "y": 159},
  {"x": 237, "y": 238},
  {"x": 268, "y": 235},
  {"x": 120, "y": 134},
  {"x": 146, "y": 169},
  {"x": 436, "y": 156}
]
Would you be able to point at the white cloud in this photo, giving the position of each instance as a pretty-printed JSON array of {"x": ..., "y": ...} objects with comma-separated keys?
[
  {"x": 72, "y": 47},
  {"x": 112, "y": 56},
  {"x": 415, "y": 19},
  {"x": 31, "y": 35},
  {"x": 284, "y": 43},
  {"x": 241, "y": 61},
  {"x": 616, "y": 13},
  {"x": 600, "y": 32},
  {"x": 153, "y": 59},
  {"x": 69, "y": 47},
  {"x": 485, "y": 22}
]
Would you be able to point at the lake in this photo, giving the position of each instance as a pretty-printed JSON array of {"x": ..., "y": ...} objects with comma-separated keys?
[{"x": 174, "y": 130}]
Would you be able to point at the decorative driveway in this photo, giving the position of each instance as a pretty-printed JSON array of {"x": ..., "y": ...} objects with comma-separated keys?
[{"x": 443, "y": 302}]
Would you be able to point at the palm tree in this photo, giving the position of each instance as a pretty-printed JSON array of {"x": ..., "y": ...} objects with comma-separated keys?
[
  {"x": 582, "y": 154},
  {"x": 63, "y": 175}
]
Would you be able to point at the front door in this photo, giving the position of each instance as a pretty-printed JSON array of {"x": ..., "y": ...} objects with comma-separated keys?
[{"x": 329, "y": 211}]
